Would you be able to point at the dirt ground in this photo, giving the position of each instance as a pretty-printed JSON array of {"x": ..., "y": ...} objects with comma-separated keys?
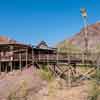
[
  {"x": 38, "y": 89},
  {"x": 55, "y": 92}
]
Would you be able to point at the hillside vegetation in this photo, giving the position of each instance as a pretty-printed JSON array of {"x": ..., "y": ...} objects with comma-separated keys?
[
  {"x": 68, "y": 47},
  {"x": 77, "y": 42}
]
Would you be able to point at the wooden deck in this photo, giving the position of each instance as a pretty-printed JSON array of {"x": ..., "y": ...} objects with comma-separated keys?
[{"x": 21, "y": 55}]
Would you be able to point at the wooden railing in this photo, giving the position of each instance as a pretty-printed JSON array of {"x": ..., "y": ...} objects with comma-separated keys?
[
  {"x": 49, "y": 57},
  {"x": 45, "y": 57},
  {"x": 16, "y": 57}
]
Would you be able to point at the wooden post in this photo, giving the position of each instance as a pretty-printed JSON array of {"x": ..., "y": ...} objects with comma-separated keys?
[
  {"x": 83, "y": 57},
  {"x": 26, "y": 58},
  {"x": 68, "y": 58},
  {"x": 57, "y": 56},
  {"x": 32, "y": 56},
  {"x": 0, "y": 62},
  {"x": 6, "y": 67},
  {"x": 11, "y": 57},
  {"x": 0, "y": 66},
  {"x": 20, "y": 62},
  {"x": 48, "y": 58},
  {"x": 69, "y": 78},
  {"x": 69, "y": 53},
  {"x": 14, "y": 65},
  {"x": 39, "y": 55}
]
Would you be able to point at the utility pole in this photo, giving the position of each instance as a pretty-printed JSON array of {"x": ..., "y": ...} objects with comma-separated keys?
[{"x": 84, "y": 16}]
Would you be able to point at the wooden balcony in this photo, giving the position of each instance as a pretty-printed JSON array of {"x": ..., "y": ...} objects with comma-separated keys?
[{"x": 61, "y": 57}]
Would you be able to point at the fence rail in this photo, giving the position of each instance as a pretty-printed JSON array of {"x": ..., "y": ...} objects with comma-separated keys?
[{"x": 51, "y": 57}]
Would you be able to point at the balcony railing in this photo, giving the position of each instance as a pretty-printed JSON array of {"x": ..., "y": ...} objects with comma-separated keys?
[{"x": 45, "y": 57}]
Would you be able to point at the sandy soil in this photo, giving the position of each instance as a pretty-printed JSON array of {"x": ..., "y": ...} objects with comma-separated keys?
[
  {"x": 56, "y": 93},
  {"x": 37, "y": 88}
]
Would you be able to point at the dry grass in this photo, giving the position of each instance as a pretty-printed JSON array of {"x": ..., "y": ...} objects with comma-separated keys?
[{"x": 29, "y": 84}]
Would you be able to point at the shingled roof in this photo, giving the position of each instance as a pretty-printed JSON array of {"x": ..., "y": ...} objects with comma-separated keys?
[
  {"x": 42, "y": 45},
  {"x": 4, "y": 40}
]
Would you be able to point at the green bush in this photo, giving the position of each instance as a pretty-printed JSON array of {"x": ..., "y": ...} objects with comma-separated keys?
[
  {"x": 46, "y": 74},
  {"x": 95, "y": 91},
  {"x": 97, "y": 75}
]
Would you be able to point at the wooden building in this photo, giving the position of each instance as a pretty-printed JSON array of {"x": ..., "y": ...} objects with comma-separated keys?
[
  {"x": 44, "y": 54},
  {"x": 14, "y": 55}
]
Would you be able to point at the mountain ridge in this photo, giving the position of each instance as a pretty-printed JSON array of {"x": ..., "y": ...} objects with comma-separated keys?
[{"x": 93, "y": 38}]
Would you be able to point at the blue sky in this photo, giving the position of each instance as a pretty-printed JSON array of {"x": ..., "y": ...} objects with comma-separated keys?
[{"x": 31, "y": 21}]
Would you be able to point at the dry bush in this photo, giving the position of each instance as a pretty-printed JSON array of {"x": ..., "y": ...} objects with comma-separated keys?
[
  {"x": 21, "y": 93},
  {"x": 94, "y": 93}
]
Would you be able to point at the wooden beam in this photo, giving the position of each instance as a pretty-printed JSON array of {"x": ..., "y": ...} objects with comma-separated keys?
[
  {"x": 6, "y": 67},
  {"x": 57, "y": 56},
  {"x": 32, "y": 56},
  {"x": 20, "y": 62},
  {"x": 83, "y": 58},
  {"x": 0, "y": 62},
  {"x": 39, "y": 55},
  {"x": 69, "y": 78},
  {"x": 69, "y": 60},
  {"x": 26, "y": 58},
  {"x": 11, "y": 57},
  {"x": 0, "y": 67},
  {"x": 48, "y": 58},
  {"x": 21, "y": 50}
]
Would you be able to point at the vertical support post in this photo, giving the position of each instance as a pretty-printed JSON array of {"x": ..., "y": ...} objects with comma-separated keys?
[
  {"x": 0, "y": 67},
  {"x": 14, "y": 64},
  {"x": 11, "y": 58},
  {"x": 20, "y": 64},
  {"x": 68, "y": 57},
  {"x": 39, "y": 55},
  {"x": 47, "y": 57},
  {"x": 57, "y": 56},
  {"x": 26, "y": 57},
  {"x": 83, "y": 57},
  {"x": 32, "y": 55},
  {"x": 68, "y": 54},
  {"x": 69, "y": 78},
  {"x": 6, "y": 67},
  {"x": 0, "y": 62}
]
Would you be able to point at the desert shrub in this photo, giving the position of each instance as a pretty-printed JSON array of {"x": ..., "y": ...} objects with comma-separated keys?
[
  {"x": 12, "y": 96},
  {"x": 97, "y": 75},
  {"x": 21, "y": 93},
  {"x": 46, "y": 74},
  {"x": 95, "y": 90}
]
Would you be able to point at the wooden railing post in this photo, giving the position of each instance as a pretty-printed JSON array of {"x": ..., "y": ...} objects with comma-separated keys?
[
  {"x": 32, "y": 56},
  {"x": 68, "y": 58},
  {"x": 11, "y": 58},
  {"x": 0, "y": 62},
  {"x": 83, "y": 57},
  {"x": 26, "y": 57},
  {"x": 0, "y": 65},
  {"x": 20, "y": 64},
  {"x": 48, "y": 58},
  {"x": 69, "y": 78},
  {"x": 6, "y": 67},
  {"x": 57, "y": 56}
]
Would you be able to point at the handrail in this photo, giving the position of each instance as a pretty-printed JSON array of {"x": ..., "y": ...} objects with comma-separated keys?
[{"x": 47, "y": 57}]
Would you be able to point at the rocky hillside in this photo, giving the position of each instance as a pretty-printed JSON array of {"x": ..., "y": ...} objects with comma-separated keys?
[
  {"x": 93, "y": 38},
  {"x": 67, "y": 46},
  {"x": 4, "y": 39}
]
